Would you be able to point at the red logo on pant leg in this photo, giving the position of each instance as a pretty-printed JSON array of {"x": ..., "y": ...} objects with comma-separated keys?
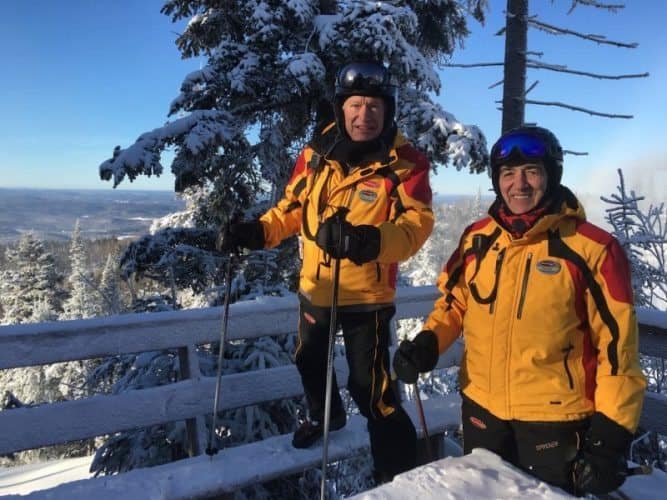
[
  {"x": 309, "y": 318},
  {"x": 477, "y": 423}
]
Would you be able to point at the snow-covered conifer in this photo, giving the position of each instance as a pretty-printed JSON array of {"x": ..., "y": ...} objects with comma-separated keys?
[
  {"x": 643, "y": 235},
  {"x": 241, "y": 119},
  {"x": 109, "y": 290},
  {"x": 31, "y": 291},
  {"x": 29, "y": 281},
  {"x": 81, "y": 302}
]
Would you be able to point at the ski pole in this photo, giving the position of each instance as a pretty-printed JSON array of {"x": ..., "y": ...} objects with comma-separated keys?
[
  {"x": 210, "y": 449},
  {"x": 422, "y": 419},
  {"x": 340, "y": 215}
]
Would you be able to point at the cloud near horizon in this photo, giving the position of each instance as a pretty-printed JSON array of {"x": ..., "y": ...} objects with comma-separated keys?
[{"x": 646, "y": 176}]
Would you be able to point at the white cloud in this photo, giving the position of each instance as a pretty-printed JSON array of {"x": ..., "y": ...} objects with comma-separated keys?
[{"x": 646, "y": 176}]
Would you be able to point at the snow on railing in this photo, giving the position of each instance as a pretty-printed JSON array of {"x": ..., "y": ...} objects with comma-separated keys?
[
  {"x": 188, "y": 399},
  {"x": 191, "y": 398}
]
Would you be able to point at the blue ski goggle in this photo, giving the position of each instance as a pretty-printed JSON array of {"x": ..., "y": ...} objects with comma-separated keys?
[
  {"x": 362, "y": 76},
  {"x": 529, "y": 146}
]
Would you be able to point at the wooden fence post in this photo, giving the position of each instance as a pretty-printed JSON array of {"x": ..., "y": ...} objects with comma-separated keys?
[{"x": 195, "y": 428}]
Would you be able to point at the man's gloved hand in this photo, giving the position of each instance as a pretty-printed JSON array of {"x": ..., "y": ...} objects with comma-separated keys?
[
  {"x": 600, "y": 466},
  {"x": 233, "y": 237},
  {"x": 415, "y": 356},
  {"x": 342, "y": 240}
]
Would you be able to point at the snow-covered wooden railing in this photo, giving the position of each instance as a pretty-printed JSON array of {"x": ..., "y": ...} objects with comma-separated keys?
[
  {"x": 188, "y": 399},
  {"x": 192, "y": 397}
]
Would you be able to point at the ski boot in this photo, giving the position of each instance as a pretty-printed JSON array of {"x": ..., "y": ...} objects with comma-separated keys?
[{"x": 312, "y": 430}]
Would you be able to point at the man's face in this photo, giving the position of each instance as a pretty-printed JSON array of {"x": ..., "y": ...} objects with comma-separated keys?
[
  {"x": 364, "y": 117},
  {"x": 522, "y": 186}
]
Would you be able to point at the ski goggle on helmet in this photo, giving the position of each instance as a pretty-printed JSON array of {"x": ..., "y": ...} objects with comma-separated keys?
[
  {"x": 529, "y": 143},
  {"x": 364, "y": 78}
]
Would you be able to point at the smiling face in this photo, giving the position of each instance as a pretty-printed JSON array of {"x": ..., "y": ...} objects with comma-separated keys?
[
  {"x": 522, "y": 186},
  {"x": 364, "y": 117}
]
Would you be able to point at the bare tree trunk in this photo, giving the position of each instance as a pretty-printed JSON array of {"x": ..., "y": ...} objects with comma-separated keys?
[{"x": 514, "y": 84}]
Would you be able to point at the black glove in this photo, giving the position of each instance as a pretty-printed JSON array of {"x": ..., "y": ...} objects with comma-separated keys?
[
  {"x": 415, "y": 356},
  {"x": 600, "y": 466},
  {"x": 342, "y": 240},
  {"x": 241, "y": 235}
]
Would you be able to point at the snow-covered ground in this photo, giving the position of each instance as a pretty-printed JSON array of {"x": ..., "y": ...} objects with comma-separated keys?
[
  {"x": 28, "y": 478},
  {"x": 483, "y": 474},
  {"x": 478, "y": 475}
]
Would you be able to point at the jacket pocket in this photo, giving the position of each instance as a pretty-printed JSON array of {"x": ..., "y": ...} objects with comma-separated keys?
[
  {"x": 524, "y": 285},
  {"x": 566, "y": 353}
]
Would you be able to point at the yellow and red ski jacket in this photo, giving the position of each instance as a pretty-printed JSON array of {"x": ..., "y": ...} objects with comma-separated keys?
[
  {"x": 393, "y": 195},
  {"x": 548, "y": 320}
]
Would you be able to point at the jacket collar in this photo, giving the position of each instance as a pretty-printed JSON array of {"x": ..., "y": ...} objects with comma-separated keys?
[
  {"x": 328, "y": 143},
  {"x": 564, "y": 205}
]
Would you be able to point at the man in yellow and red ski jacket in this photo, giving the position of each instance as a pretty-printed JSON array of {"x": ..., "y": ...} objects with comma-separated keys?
[
  {"x": 359, "y": 193},
  {"x": 550, "y": 374}
]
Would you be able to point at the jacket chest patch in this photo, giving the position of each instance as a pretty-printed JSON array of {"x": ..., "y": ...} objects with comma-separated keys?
[
  {"x": 548, "y": 266},
  {"x": 367, "y": 195}
]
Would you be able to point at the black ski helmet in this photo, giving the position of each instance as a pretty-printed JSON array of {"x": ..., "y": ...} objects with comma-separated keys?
[
  {"x": 365, "y": 78},
  {"x": 525, "y": 143}
]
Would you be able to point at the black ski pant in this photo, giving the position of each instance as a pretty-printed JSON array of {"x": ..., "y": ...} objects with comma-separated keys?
[
  {"x": 545, "y": 450},
  {"x": 367, "y": 336}
]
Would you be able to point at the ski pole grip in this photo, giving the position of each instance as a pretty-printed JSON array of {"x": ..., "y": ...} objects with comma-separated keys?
[
  {"x": 343, "y": 239},
  {"x": 341, "y": 213}
]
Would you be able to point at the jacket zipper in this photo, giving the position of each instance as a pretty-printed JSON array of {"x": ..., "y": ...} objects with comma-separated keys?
[
  {"x": 524, "y": 285},
  {"x": 352, "y": 191},
  {"x": 567, "y": 350},
  {"x": 499, "y": 264}
]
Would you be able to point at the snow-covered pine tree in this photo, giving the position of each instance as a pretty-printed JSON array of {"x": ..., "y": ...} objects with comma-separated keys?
[
  {"x": 425, "y": 266},
  {"x": 451, "y": 219},
  {"x": 31, "y": 292},
  {"x": 478, "y": 210},
  {"x": 643, "y": 235},
  {"x": 111, "y": 301},
  {"x": 29, "y": 281},
  {"x": 241, "y": 119},
  {"x": 82, "y": 301}
]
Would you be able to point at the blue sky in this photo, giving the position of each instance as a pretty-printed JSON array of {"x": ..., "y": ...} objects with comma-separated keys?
[{"x": 81, "y": 76}]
